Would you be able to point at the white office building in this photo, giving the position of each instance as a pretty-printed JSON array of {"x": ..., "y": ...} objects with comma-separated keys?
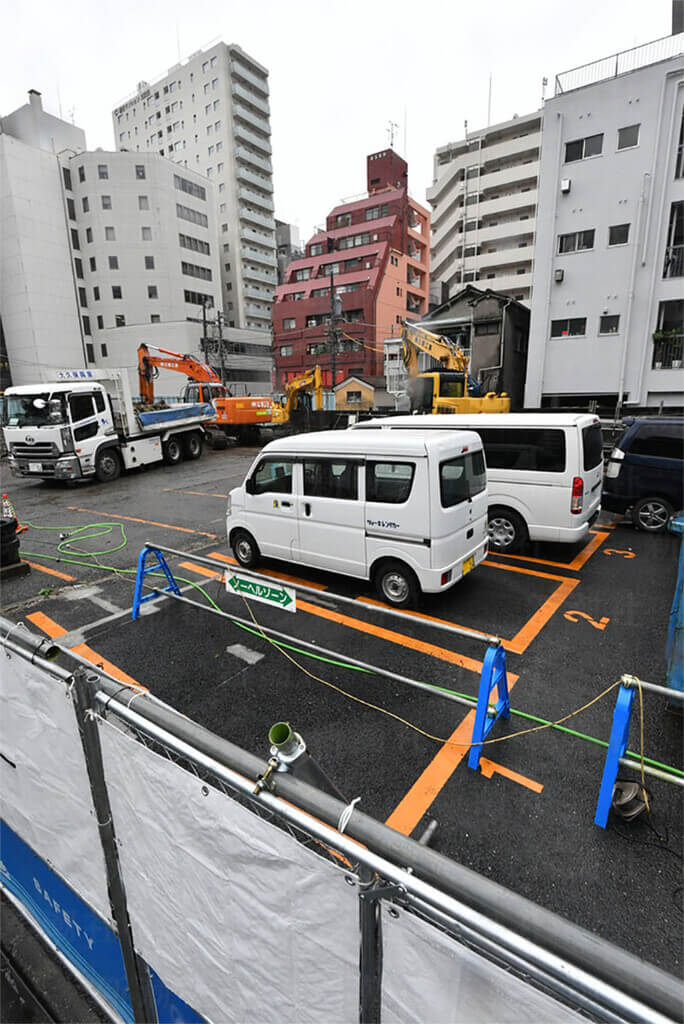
[
  {"x": 484, "y": 202},
  {"x": 607, "y": 319},
  {"x": 210, "y": 114}
]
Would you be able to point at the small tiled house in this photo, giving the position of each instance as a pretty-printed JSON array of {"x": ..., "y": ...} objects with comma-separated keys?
[{"x": 362, "y": 394}]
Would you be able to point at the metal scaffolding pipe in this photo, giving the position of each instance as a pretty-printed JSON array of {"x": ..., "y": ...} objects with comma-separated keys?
[
  {"x": 635, "y": 763},
  {"x": 634, "y": 683}
]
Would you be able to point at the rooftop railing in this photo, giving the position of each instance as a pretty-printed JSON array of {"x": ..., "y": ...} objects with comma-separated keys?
[{"x": 620, "y": 63}]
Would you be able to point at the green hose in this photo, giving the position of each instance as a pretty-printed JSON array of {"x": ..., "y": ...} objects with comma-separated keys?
[{"x": 104, "y": 529}]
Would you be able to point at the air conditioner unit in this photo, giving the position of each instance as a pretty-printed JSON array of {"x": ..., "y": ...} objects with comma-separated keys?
[
  {"x": 565, "y": 185},
  {"x": 558, "y": 276}
]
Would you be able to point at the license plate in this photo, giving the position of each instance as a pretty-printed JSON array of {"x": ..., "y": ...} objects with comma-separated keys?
[
  {"x": 468, "y": 564},
  {"x": 35, "y": 467}
]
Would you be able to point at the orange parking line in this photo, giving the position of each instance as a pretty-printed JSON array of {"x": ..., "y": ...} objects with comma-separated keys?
[
  {"x": 271, "y": 572},
  {"x": 524, "y": 637},
  {"x": 580, "y": 559},
  {"x": 202, "y": 570},
  {"x": 525, "y": 572},
  {"x": 489, "y": 768},
  {"x": 50, "y": 572},
  {"x": 48, "y": 625},
  {"x": 148, "y": 522},
  {"x": 203, "y": 494}
]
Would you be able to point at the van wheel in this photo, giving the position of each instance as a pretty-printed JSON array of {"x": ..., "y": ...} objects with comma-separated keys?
[
  {"x": 193, "y": 446},
  {"x": 651, "y": 514},
  {"x": 507, "y": 530},
  {"x": 107, "y": 465},
  {"x": 172, "y": 451},
  {"x": 397, "y": 585},
  {"x": 245, "y": 549}
]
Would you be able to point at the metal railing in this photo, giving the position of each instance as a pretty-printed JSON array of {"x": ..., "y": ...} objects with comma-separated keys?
[
  {"x": 620, "y": 63},
  {"x": 674, "y": 261},
  {"x": 667, "y": 352}
]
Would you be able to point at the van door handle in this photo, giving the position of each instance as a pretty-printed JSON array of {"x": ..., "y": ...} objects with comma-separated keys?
[
  {"x": 307, "y": 508},
  {"x": 287, "y": 504}
]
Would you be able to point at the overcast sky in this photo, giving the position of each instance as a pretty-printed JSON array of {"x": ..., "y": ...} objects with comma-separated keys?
[{"x": 339, "y": 72}]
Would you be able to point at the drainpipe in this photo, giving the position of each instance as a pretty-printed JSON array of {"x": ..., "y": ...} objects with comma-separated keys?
[
  {"x": 645, "y": 182},
  {"x": 289, "y": 754}
]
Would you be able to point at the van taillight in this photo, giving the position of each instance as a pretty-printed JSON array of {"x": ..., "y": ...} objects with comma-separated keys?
[{"x": 577, "y": 495}]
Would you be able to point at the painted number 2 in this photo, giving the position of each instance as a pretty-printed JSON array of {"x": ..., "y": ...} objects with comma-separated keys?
[{"x": 575, "y": 616}]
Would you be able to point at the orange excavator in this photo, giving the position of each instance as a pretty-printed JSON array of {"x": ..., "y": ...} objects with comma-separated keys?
[{"x": 238, "y": 417}]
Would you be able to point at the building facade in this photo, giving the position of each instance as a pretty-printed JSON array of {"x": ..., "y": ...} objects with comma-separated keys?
[
  {"x": 211, "y": 114},
  {"x": 371, "y": 259},
  {"x": 484, "y": 203},
  {"x": 288, "y": 246},
  {"x": 608, "y": 301}
]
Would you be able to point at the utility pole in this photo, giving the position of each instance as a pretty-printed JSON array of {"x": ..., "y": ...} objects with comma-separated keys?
[
  {"x": 333, "y": 333},
  {"x": 204, "y": 332},
  {"x": 219, "y": 331}
]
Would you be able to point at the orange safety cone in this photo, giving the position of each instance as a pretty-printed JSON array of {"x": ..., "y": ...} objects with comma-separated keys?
[{"x": 9, "y": 513}]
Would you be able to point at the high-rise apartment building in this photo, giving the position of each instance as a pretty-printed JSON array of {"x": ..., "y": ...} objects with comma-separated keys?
[
  {"x": 484, "y": 204},
  {"x": 374, "y": 253},
  {"x": 210, "y": 114},
  {"x": 607, "y": 321}
]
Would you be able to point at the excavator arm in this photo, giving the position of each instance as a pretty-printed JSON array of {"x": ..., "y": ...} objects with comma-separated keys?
[
  {"x": 417, "y": 339},
  {"x": 149, "y": 366},
  {"x": 311, "y": 381}
]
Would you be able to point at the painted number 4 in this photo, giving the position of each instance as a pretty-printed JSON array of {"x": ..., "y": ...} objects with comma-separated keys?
[{"x": 575, "y": 616}]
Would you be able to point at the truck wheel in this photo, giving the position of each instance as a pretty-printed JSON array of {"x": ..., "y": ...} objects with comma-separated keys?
[
  {"x": 507, "y": 530},
  {"x": 397, "y": 585},
  {"x": 245, "y": 549},
  {"x": 193, "y": 446},
  {"x": 172, "y": 451},
  {"x": 107, "y": 465},
  {"x": 651, "y": 514}
]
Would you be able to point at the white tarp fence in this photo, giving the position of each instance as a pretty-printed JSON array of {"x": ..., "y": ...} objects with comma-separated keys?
[
  {"x": 46, "y": 798},
  {"x": 236, "y": 917},
  {"x": 428, "y": 976}
]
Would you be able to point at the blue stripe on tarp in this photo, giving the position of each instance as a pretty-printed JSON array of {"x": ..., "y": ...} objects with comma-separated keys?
[
  {"x": 78, "y": 932},
  {"x": 181, "y": 412}
]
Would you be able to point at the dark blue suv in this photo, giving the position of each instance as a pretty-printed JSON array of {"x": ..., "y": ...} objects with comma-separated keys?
[{"x": 645, "y": 471}]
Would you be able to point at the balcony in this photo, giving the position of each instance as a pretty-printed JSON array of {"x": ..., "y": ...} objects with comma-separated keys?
[
  {"x": 266, "y": 257},
  {"x": 252, "y": 119},
  {"x": 240, "y": 71},
  {"x": 256, "y": 293},
  {"x": 491, "y": 261},
  {"x": 258, "y": 275},
  {"x": 244, "y": 174},
  {"x": 242, "y": 132},
  {"x": 674, "y": 261},
  {"x": 667, "y": 350},
  {"x": 414, "y": 282},
  {"x": 261, "y": 314},
  {"x": 251, "y": 235},
  {"x": 262, "y": 219},
  {"x": 249, "y": 97},
  {"x": 254, "y": 159},
  {"x": 252, "y": 197}
]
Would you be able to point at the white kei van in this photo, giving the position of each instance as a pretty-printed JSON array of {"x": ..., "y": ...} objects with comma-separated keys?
[
  {"x": 408, "y": 511},
  {"x": 544, "y": 471}
]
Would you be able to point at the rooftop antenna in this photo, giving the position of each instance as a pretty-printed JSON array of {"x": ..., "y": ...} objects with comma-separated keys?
[
  {"x": 393, "y": 127},
  {"x": 545, "y": 82},
  {"x": 70, "y": 114},
  {"x": 465, "y": 128},
  {"x": 59, "y": 103},
  {"x": 489, "y": 102}
]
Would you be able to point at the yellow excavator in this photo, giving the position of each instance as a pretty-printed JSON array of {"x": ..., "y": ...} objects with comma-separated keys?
[
  {"x": 448, "y": 389},
  {"x": 297, "y": 403}
]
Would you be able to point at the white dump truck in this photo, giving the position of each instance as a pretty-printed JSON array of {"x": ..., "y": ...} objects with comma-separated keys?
[{"x": 85, "y": 424}]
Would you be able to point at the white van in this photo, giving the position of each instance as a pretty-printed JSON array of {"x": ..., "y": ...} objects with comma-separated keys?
[
  {"x": 408, "y": 511},
  {"x": 544, "y": 471}
]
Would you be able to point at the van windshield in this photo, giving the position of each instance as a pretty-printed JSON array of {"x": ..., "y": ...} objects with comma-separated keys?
[
  {"x": 462, "y": 478},
  {"x": 592, "y": 444}
]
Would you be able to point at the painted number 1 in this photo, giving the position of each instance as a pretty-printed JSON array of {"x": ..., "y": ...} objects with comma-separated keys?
[{"x": 575, "y": 616}]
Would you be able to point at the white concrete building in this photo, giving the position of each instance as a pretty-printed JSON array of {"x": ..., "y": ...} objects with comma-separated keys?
[
  {"x": 211, "y": 114},
  {"x": 608, "y": 293},
  {"x": 484, "y": 201}
]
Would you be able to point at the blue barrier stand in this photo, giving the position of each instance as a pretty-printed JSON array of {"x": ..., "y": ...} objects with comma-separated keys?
[
  {"x": 674, "y": 650},
  {"x": 145, "y": 570},
  {"x": 619, "y": 734},
  {"x": 493, "y": 675}
]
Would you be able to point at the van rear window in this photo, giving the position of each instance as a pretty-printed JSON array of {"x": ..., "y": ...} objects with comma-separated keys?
[
  {"x": 389, "y": 482},
  {"x": 462, "y": 478},
  {"x": 592, "y": 444},
  {"x": 536, "y": 449},
  {"x": 666, "y": 442}
]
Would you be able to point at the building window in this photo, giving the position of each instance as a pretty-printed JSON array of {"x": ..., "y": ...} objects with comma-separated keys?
[
  {"x": 140, "y": 171},
  {"x": 81, "y": 173},
  {"x": 286, "y": 350},
  {"x": 90, "y": 353},
  {"x": 66, "y": 174},
  {"x": 191, "y": 187},
  {"x": 580, "y": 149},
  {"x": 110, "y": 234},
  {"x": 575, "y": 327},
  {"x": 316, "y": 250},
  {"x": 199, "y": 299},
  {"x": 628, "y": 137},
  {"x": 618, "y": 234},
  {"x": 78, "y": 264},
  {"x": 74, "y": 239},
  {"x": 96, "y": 293},
  {"x": 192, "y": 270},
  {"x": 186, "y": 213},
  {"x": 82, "y": 298},
  {"x": 102, "y": 171},
  {"x": 93, "y": 264},
  {"x": 100, "y": 323},
  {"x": 89, "y": 234},
  {"x": 149, "y": 263},
  {"x": 289, "y": 323},
  {"x": 609, "y": 324},
  {"x": 152, "y": 292},
  {"x": 679, "y": 166},
  {"x": 155, "y": 318},
  {"x": 116, "y": 291},
  {"x": 113, "y": 262},
  {"x": 71, "y": 209},
  {"x": 119, "y": 320},
  {"x": 146, "y": 234},
  {"x": 103, "y": 350},
  {"x": 85, "y": 204},
  {"x": 143, "y": 203},
  {"x": 303, "y": 274},
  {"x": 196, "y": 244},
  {"x": 106, "y": 202}
]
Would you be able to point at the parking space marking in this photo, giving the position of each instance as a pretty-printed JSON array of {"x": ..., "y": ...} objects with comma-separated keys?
[
  {"x": 54, "y": 630},
  {"x": 271, "y": 572},
  {"x": 147, "y": 522},
  {"x": 534, "y": 625},
  {"x": 578, "y": 562},
  {"x": 202, "y": 494},
  {"x": 51, "y": 572},
  {"x": 490, "y": 768}
]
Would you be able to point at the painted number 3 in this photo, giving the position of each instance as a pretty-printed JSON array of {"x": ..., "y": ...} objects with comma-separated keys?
[
  {"x": 575, "y": 616},
  {"x": 619, "y": 551}
]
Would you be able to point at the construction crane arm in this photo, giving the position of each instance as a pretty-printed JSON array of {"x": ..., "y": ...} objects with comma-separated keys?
[
  {"x": 149, "y": 365},
  {"x": 417, "y": 339}
]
